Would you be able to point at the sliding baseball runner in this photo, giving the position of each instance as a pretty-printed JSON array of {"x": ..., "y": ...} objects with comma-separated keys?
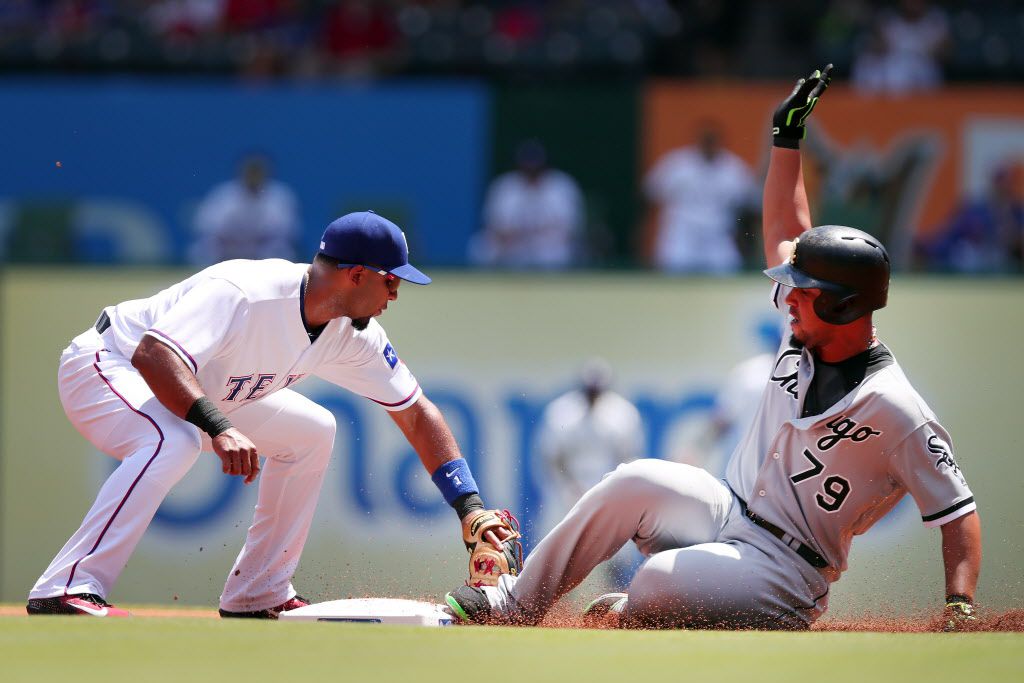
[{"x": 839, "y": 438}]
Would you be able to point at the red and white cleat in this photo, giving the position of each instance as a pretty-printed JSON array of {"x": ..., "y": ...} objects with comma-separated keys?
[
  {"x": 269, "y": 613},
  {"x": 88, "y": 604}
]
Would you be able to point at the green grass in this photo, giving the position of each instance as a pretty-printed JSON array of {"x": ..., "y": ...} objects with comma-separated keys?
[{"x": 180, "y": 650}]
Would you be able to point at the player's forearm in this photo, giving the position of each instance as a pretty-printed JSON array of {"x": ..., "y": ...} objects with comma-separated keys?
[
  {"x": 961, "y": 554},
  {"x": 428, "y": 433},
  {"x": 786, "y": 211},
  {"x": 167, "y": 376}
]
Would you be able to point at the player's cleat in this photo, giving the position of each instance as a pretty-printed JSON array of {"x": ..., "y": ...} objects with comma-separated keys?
[
  {"x": 81, "y": 604},
  {"x": 469, "y": 604},
  {"x": 605, "y": 611},
  {"x": 269, "y": 613}
]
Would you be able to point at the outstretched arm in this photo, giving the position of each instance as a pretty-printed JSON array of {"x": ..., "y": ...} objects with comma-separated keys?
[
  {"x": 786, "y": 212},
  {"x": 427, "y": 432},
  {"x": 961, "y": 556}
]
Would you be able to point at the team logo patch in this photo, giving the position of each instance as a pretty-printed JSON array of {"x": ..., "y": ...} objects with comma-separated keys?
[
  {"x": 787, "y": 366},
  {"x": 390, "y": 356},
  {"x": 937, "y": 447}
]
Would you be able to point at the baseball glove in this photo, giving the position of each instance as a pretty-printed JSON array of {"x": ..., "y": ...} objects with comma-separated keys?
[{"x": 487, "y": 562}]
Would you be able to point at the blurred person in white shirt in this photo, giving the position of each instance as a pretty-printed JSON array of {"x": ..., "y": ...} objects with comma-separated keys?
[
  {"x": 533, "y": 216},
  {"x": 584, "y": 434},
  {"x": 905, "y": 50},
  {"x": 250, "y": 217},
  {"x": 699, "y": 193}
]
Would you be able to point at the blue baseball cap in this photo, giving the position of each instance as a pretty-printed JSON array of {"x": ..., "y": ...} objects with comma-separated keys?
[{"x": 366, "y": 239}]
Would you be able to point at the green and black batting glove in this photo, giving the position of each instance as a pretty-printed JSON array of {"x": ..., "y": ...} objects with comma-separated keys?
[
  {"x": 788, "y": 127},
  {"x": 958, "y": 614}
]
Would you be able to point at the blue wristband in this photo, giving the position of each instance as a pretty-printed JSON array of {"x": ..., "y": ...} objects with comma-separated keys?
[{"x": 454, "y": 479}]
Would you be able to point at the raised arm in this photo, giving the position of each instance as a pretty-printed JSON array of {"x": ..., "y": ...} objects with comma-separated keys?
[{"x": 785, "y": 209}]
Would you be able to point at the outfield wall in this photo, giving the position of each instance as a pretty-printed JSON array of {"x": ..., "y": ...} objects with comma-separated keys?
[
  {"x": 111, "y": 170},
  {"x": 491, "y": 351}
]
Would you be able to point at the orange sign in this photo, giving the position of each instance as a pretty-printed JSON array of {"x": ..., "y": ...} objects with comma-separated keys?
[{"x": 897, "y": 166}]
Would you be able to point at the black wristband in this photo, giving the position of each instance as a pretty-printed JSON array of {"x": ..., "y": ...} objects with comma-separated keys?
[
  {"x": 204, "y": 414},
  {"x": 788, "y": 143},
  {"x": 467, "y": 503},
  {"x": 956, "y": 597}
]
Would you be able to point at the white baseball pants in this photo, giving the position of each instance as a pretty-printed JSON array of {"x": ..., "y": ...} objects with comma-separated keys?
[
  {"x": 110, "y": 404},
  {"x": 708, "y": 565}
]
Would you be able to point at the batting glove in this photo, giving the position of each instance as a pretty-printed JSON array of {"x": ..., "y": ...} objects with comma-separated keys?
[
  {"x": 958, "y": 614},
  {"x": 788, "y": 121}
]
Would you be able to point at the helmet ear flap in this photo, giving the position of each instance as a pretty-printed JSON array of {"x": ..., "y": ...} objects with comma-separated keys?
[{"x": 837, "y": 308}]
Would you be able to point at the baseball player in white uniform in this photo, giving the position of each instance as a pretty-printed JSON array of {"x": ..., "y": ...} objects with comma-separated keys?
[
  {"x": 209, "y": 364},
  {"x": 839, "y": 438}
]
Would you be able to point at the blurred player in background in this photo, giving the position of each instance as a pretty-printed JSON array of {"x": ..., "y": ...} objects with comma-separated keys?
[
  {"x": 698, "y": 193},
  {"x": 250, "y": 217},
  {"x": 737, "y": 400},
  {"x": 584, "y": 434},
  {"x": 839, "y": 437},
  {"x": 210, "y": 364},
  {"x": 533, "y": 216}
]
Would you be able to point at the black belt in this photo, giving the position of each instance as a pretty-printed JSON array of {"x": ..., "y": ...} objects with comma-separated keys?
[
  {"x": 804, "y": 551},
  {"x": 102, "y": 322}
]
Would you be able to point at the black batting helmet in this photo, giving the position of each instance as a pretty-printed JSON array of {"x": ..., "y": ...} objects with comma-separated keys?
[{"x": 849, "y": 266}]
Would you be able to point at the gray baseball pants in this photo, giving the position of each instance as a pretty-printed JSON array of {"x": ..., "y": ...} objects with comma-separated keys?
[{"x": 707, "y": 566}]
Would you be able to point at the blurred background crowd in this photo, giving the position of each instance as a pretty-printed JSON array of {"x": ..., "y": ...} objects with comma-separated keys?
[
  {"x": 881, "y": 43},
  {"x": 690, "y": 208}
]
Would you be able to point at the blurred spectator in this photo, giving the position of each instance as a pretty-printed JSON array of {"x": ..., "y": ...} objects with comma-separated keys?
[
  {"x": 698, "y": 193},
  {"x": 533, "y": 216},
  {"x": 180, "y": 19},
  {"x": 252, "y": 217},
  {"x": 985, "y": 235},
  {"x": 360, "y": 38},
  {"x": 254, "y": 15},
  {"x": 584, "y": 434},
  {"x": 904, "y": 52},
  {"x": 526, "y": 38}
]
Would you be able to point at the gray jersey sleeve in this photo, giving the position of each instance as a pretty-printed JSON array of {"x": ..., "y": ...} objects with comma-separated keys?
[{"x": 923, "y": 463}]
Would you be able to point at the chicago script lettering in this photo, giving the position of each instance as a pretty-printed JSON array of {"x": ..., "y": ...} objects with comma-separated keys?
[{"x": 844, "y": 428}]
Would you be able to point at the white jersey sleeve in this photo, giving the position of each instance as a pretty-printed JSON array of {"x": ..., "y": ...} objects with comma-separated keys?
[
  {"x": 207, "y": 322},
  {"x": 778, "y": 296},
  {"x": 374, "y": 370},
  {"x": 923, "y": 463}
]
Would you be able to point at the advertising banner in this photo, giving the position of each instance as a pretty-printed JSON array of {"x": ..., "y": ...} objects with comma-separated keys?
[{"x": 492, "y": 352}]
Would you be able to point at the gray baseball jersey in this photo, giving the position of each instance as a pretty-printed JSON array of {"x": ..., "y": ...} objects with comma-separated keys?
[
  {"x": 825, "y": 478},
  {"x": 820, "y": 463}
]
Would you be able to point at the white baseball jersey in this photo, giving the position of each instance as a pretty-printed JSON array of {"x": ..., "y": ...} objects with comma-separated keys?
[
  {"x": 825, "y": 478},
  {"x": 238, "y": 326}
]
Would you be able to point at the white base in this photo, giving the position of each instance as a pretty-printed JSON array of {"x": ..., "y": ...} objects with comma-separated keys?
[{"x": 373, "y": 611}]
